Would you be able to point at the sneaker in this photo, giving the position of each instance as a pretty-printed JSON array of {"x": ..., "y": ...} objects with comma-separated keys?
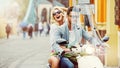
[{"x": 48, "y": 66}]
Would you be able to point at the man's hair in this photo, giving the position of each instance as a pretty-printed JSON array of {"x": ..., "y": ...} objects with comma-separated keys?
[
  {"x": 69, "y": 10},
  {"x": 73, "y": 8}
]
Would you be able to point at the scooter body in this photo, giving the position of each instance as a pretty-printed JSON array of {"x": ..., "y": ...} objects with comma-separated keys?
[
  {"x": 89, "y": 62},
  {"x": 87, "y": 57}
]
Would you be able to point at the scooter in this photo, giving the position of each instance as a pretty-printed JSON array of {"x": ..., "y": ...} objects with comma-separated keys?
[
  {"x": 87, "y": 54},
  {"x": 87, "y": 57}
]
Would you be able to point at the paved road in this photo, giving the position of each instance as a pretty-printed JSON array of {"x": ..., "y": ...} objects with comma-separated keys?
[{"x": 17, "y": 52}]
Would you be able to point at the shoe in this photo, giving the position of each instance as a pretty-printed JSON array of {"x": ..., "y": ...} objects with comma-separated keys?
[{"x": 48, "y": 66}]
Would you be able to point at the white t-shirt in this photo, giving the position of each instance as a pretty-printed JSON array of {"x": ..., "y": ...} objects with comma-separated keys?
[
  {"x": 71, "y": 37},
  {"x": 40, "y": 26}
]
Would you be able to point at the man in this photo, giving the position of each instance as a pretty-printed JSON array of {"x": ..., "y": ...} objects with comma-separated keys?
[{"x": 72, "y": 33}]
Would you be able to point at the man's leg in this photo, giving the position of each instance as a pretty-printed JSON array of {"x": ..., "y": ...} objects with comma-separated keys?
[{"x": 66, "y": 63}]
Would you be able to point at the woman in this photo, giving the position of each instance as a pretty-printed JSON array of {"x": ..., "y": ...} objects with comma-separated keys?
[{"x": 58, "y": 15}]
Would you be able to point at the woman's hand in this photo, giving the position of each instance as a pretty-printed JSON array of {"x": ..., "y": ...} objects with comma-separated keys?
[{"x": 67, "y": 50}]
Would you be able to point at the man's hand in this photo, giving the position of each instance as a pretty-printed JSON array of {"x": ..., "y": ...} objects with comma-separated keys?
[
  {"x": 101, "y": 48},
  {"x": 103, "y": 45}
]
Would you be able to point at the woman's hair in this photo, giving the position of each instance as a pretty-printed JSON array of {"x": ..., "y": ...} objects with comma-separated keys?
[{"x": 62, "y": 9}]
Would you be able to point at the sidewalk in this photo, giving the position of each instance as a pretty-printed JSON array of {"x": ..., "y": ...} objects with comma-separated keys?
[
  {"x": 12, "y": 37},
  {"x": 36, "y": 59}
]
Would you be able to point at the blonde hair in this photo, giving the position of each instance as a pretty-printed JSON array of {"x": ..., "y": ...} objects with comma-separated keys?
[{"x": 62, "y": 9}]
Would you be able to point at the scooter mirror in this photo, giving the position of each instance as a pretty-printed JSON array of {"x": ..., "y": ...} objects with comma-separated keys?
[{"x": 105, "y": 38}]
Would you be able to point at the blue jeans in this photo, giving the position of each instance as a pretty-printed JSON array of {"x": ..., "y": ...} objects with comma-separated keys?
[
  {"x": 65, "y": 63},
  {"x": 24, "y": 34}
]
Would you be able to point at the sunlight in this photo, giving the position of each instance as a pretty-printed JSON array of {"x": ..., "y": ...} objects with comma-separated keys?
[{"x": 4, "y": 3}]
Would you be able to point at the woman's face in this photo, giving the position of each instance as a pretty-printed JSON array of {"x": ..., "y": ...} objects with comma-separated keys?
[{"x": 57, "y": 14}]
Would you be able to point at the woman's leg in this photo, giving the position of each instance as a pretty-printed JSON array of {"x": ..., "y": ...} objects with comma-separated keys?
[{"x": 54, "y": 62}]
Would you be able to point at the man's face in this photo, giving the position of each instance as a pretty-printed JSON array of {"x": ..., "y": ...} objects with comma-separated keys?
[{"x": 72, "y": 17}]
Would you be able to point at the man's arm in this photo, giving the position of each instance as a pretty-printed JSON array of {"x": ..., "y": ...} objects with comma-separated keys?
[{"x": 90, "y": 38}]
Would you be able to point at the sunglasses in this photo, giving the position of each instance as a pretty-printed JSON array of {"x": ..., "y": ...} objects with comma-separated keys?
[{"x": 57, "y": 12}]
